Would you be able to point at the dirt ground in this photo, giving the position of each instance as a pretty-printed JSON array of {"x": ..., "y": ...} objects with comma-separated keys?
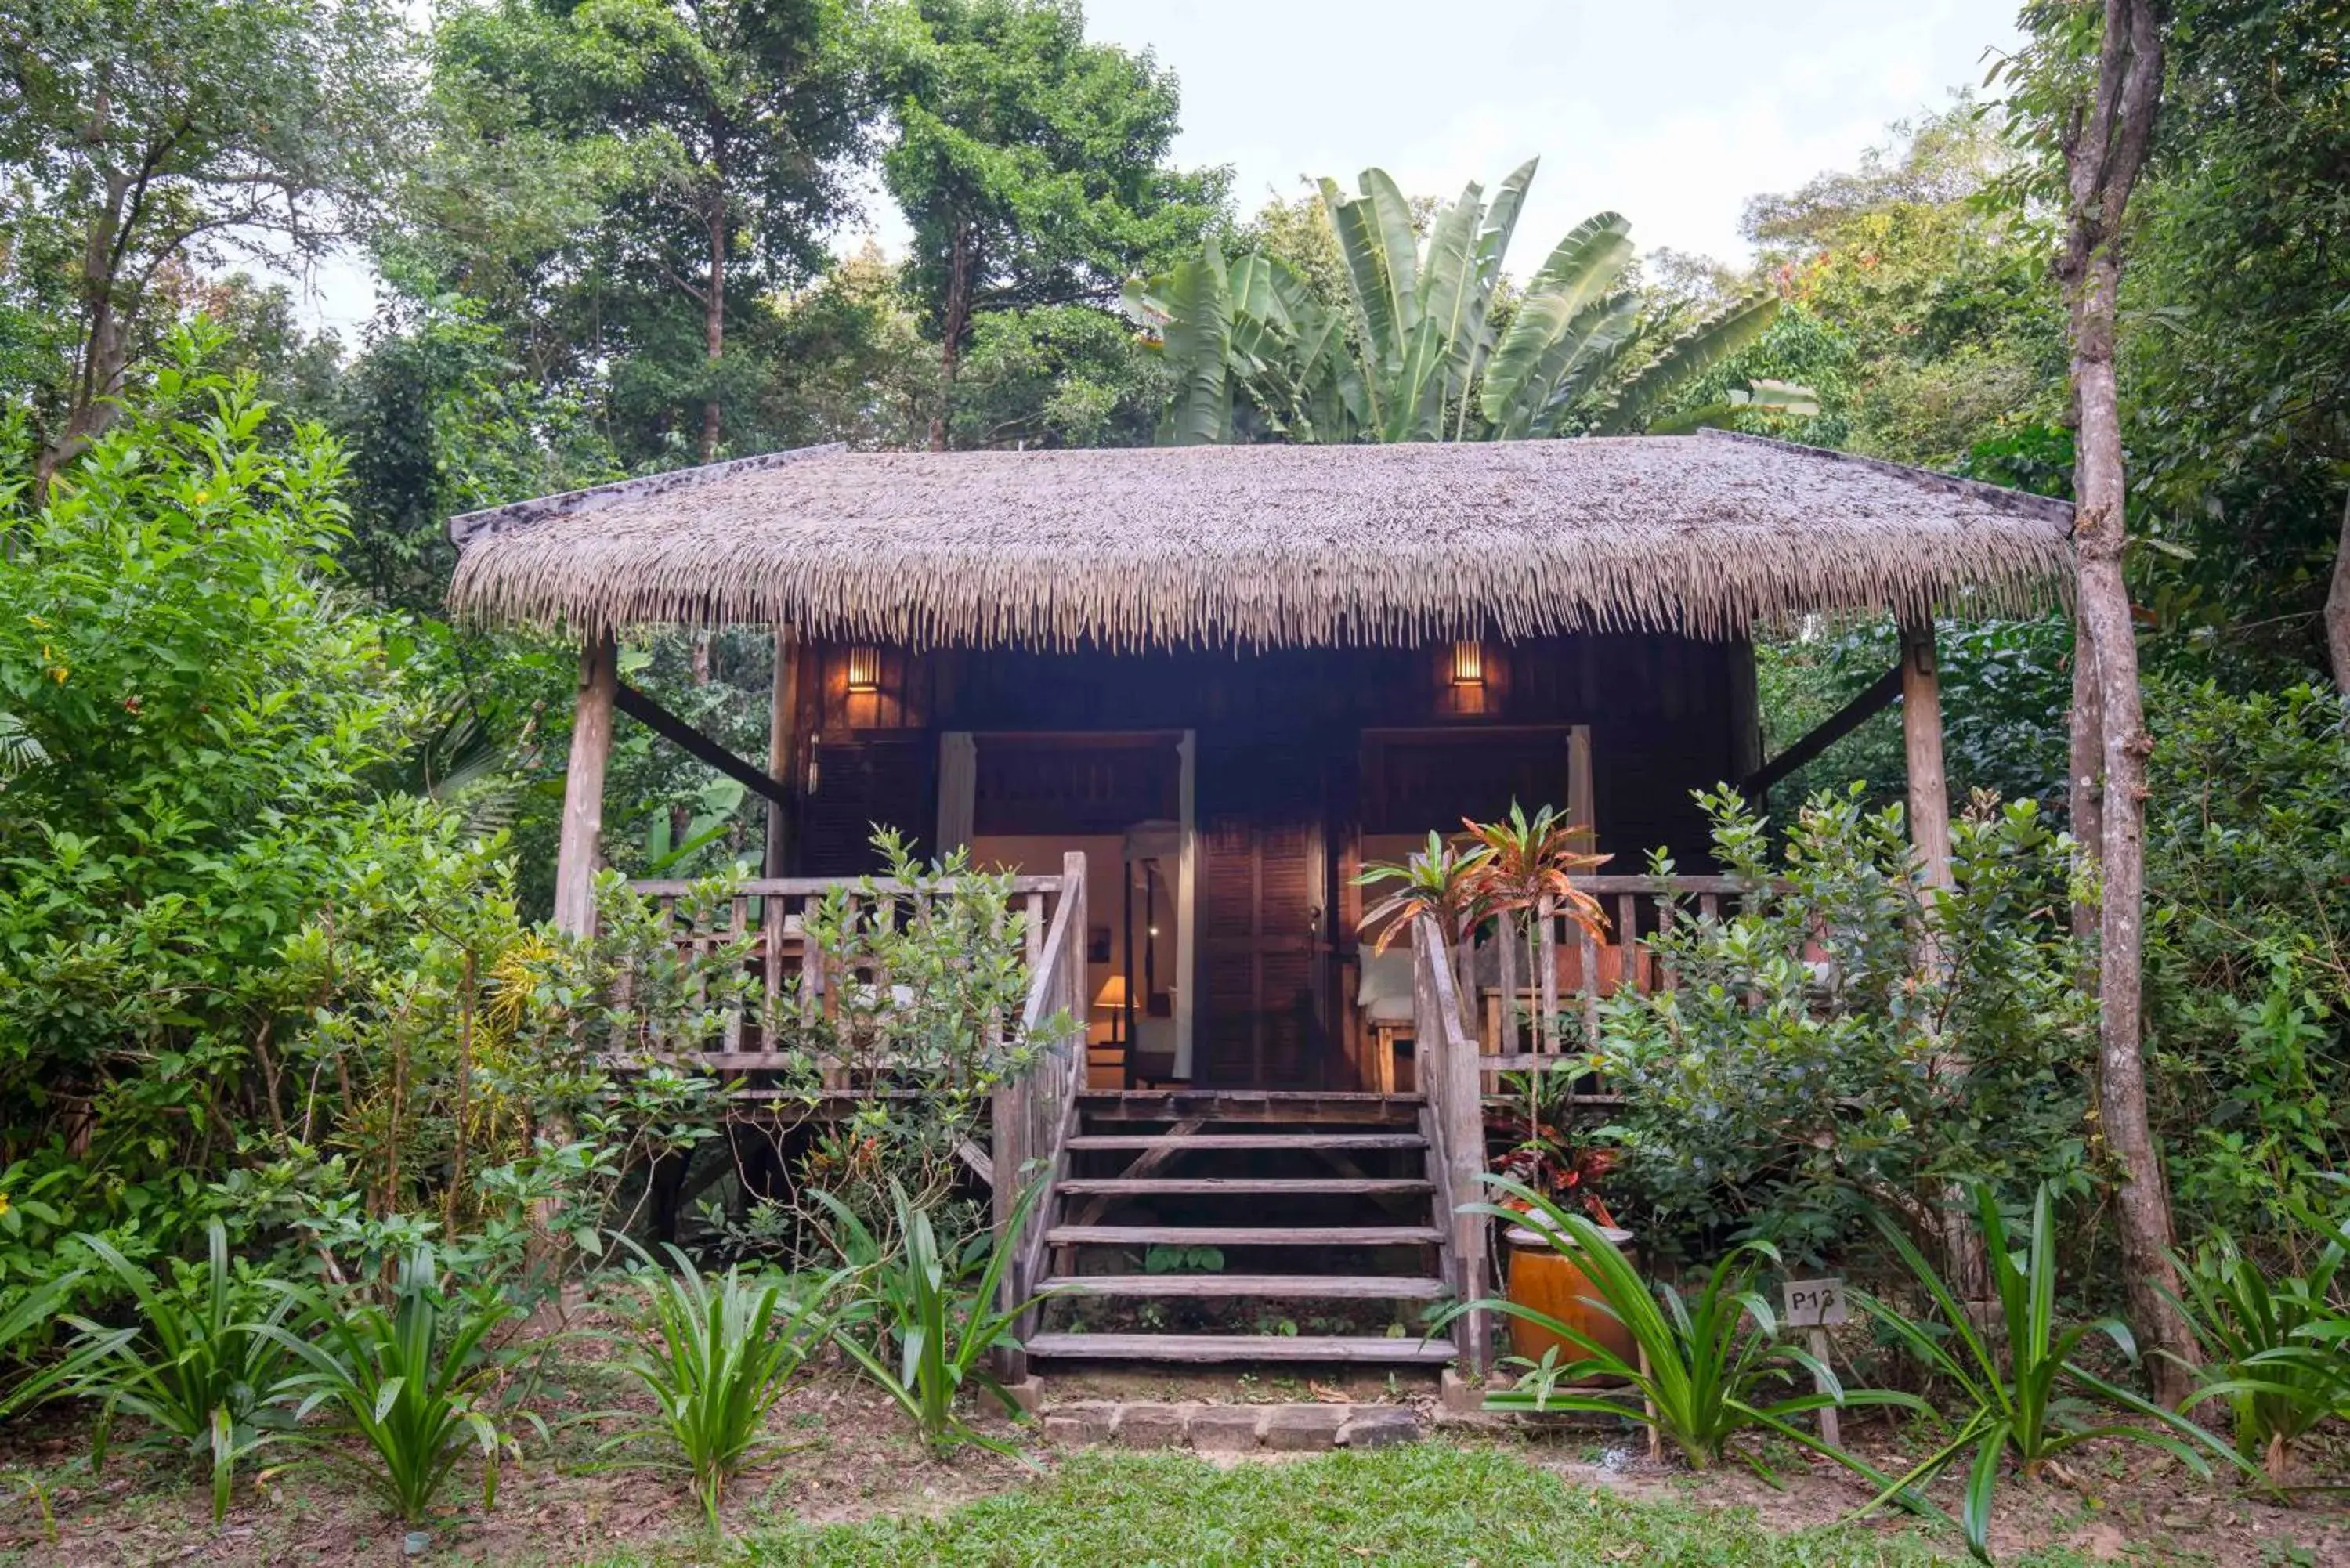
[{"x": 848, "y": 1454}]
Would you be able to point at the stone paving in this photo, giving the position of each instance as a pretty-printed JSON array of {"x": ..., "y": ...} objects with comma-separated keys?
[{"x": 1233, "y": 1428}]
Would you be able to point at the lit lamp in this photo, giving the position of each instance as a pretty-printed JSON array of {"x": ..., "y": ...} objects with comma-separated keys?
[
  {"x": 865, "y": 670},
  {"x": 1468, "y": 664},
  {"x": 1112, "y": 995}
]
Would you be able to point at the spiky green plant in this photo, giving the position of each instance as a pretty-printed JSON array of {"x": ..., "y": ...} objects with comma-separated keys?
[
  {"x": 720, "y": 1354},
  {"x": 2018, "y": 1393},
  {"x": 1709, "y": 1368},
  {"x": 2272, "y": 1349},
  {"x": 941, "y": 1311},
  {"x": 193, "y": 1368},
  {"x": 412, "y": 1382}
]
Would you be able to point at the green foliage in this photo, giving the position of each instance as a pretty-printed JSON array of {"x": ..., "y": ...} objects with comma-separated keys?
[
  {"x": 141, "y": 137},
  {"x": 1029, "y": 162},
  {"x": 413, "y": 1381},
  {"x": 2016, "y": 1380},
  {"x": 953, "y": 944},
  {"x": 725, "y": 1353},
  {"x": 1803, "y": 1069},
  {"x": 941, "y": 1310},
  {"x": 210, "y": 708},
  {"x": 646, "y": 169},
  {"x": 2006, "y": 687},
  {"x": 1702, "y": 1376},
  {"x": 2248, "y": 981},
  {"x": 2274, "y": 1349},
  {"x": 193, "y": 1368}
]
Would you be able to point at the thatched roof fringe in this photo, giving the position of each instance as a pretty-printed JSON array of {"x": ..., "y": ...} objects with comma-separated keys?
[{"x": 1261, "y": 546}]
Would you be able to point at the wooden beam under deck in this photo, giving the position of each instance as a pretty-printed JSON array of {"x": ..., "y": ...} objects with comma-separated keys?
[{"x": 1332, "y": 1109}]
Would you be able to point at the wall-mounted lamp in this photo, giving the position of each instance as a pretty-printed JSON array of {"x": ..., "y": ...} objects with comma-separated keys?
[
  {"x": 865, "y": 670},
  {"x": 1468, "y": 664}
]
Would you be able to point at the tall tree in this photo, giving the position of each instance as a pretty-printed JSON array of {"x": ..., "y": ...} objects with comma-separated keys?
[
  {"x": 149, "y": 133},
  {"x": 2102, "y": 122},
  {"x": 721, "y": 135},
  {"x": 1030, "y": 164}
]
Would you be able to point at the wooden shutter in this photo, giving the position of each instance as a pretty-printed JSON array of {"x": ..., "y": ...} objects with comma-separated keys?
[
  {"x": 861, "y": 785},
  {"x": 1261, "y": 1021}
]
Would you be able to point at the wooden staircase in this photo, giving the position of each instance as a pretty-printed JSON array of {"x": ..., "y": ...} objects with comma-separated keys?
[{"x": 1320, "y": 1203}]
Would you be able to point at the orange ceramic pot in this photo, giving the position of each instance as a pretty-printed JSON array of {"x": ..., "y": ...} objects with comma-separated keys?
[{"x": 1546, "y": 1280}]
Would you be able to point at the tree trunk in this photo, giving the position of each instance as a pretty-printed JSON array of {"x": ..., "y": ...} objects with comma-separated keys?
[
  {"x": 2337, "y": 606},
  {"x": 952, "y": 324},
  {"x": 2087, "y": 804},
  {"x": 2105, "y": 147},
  {"x": 106, "y": 340},
  {"x": 713, "y": 328}
]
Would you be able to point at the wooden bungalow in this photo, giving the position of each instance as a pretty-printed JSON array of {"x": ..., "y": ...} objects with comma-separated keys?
[{"x": 1227, "y": 678}]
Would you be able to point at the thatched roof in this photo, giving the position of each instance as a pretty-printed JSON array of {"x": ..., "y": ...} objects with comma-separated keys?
[{"x": 1265, "y": 546}]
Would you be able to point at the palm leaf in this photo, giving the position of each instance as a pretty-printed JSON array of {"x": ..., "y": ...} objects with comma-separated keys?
[{"x": 1696, "y": 351}]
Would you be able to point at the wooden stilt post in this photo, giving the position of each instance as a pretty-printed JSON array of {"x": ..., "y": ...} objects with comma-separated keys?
[
  {"x": 1921, "y": 742},
  {"x": 1929, "y": 833},
  {"x": 583, "y": 786},
  {"x": 783, "y": 712}
]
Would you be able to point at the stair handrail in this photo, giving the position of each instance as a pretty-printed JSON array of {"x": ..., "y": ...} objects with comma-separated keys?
[
  {"x": 1034, "y": 1113},
  {"x": 1446, "y": 1062}
]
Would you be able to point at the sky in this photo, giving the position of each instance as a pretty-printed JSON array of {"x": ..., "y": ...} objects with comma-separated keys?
[{"x": 1672, "y": 113}]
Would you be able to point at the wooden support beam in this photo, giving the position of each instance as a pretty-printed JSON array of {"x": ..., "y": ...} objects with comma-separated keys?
[
  {"x": 1921, "y": 745},
  {"x": 782, "y": 754},
  {"x": 579, "y": 849},
  {"x": 696, "y": 744},
  {"x": 1883, "y": 691}
]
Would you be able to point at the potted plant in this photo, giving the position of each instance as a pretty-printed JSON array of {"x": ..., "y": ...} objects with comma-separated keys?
[{"x": 1544, "y": 1277}]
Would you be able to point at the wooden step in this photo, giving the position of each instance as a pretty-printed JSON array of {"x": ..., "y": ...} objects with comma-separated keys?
[
  {"x": 1410, "y": 1351},
  {"x": 1297, "y": 1287},
  {"x": 1248, "y": 1140},
  {"x": 1217, "y": 1186},
  {"x": 1243, "y": 1235}
]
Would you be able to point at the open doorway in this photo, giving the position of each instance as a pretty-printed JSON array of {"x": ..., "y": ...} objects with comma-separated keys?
[{"x": 1021, "y": 800}]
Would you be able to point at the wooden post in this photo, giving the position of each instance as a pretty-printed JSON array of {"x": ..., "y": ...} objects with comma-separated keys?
[
  {"x": 1921, "y": 742},
  {"x": 1455, "y": 1089},
  {"x": 578, "y": 854},
  {"x": 783, "y": 712}
]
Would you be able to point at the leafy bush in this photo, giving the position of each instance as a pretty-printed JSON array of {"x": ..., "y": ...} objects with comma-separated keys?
[
  {"x": 2014, "y": 1386},
  {"x": 1710, "y": 1369},
  {"x": 724, "y": 1356},
  {"x": 2247, "y": 958},
  {"x": 940, "y": 1310},
  {"x": 207, "y": 709},
  {"x": 193, "y": 1368},
  {"x": 412, "y": 1381},
  {"x": 1810, "y": 1064},
  {"x": 929, "y": 980}
]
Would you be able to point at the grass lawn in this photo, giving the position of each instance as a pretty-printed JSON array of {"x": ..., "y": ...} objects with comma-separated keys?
[{"x": 1431, "y": 1505}]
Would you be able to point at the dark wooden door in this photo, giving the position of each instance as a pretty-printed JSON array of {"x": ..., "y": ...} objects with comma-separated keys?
[{"x": 1264, "y": 1020}]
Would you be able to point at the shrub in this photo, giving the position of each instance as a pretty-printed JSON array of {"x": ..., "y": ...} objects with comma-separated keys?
[
  {"x": 1809, "y": 1064},
  {"x": 725, "y": 1353},
  {"x": 2275, "y": 1350},
  {"x": 2247, "y": 958}
]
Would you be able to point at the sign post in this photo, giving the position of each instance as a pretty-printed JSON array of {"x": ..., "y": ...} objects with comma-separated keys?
[{"x": 1816, "y": 1305}]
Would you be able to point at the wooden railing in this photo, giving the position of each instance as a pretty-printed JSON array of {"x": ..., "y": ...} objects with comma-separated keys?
[
  {"x": 1031, "y": 1115},
  {"x": 1034, "y": 1114},
  {"x": 1590, "y": 968},
  {"x": 1453, "y": 1120},
  {"x": 795, "y": 983}
]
